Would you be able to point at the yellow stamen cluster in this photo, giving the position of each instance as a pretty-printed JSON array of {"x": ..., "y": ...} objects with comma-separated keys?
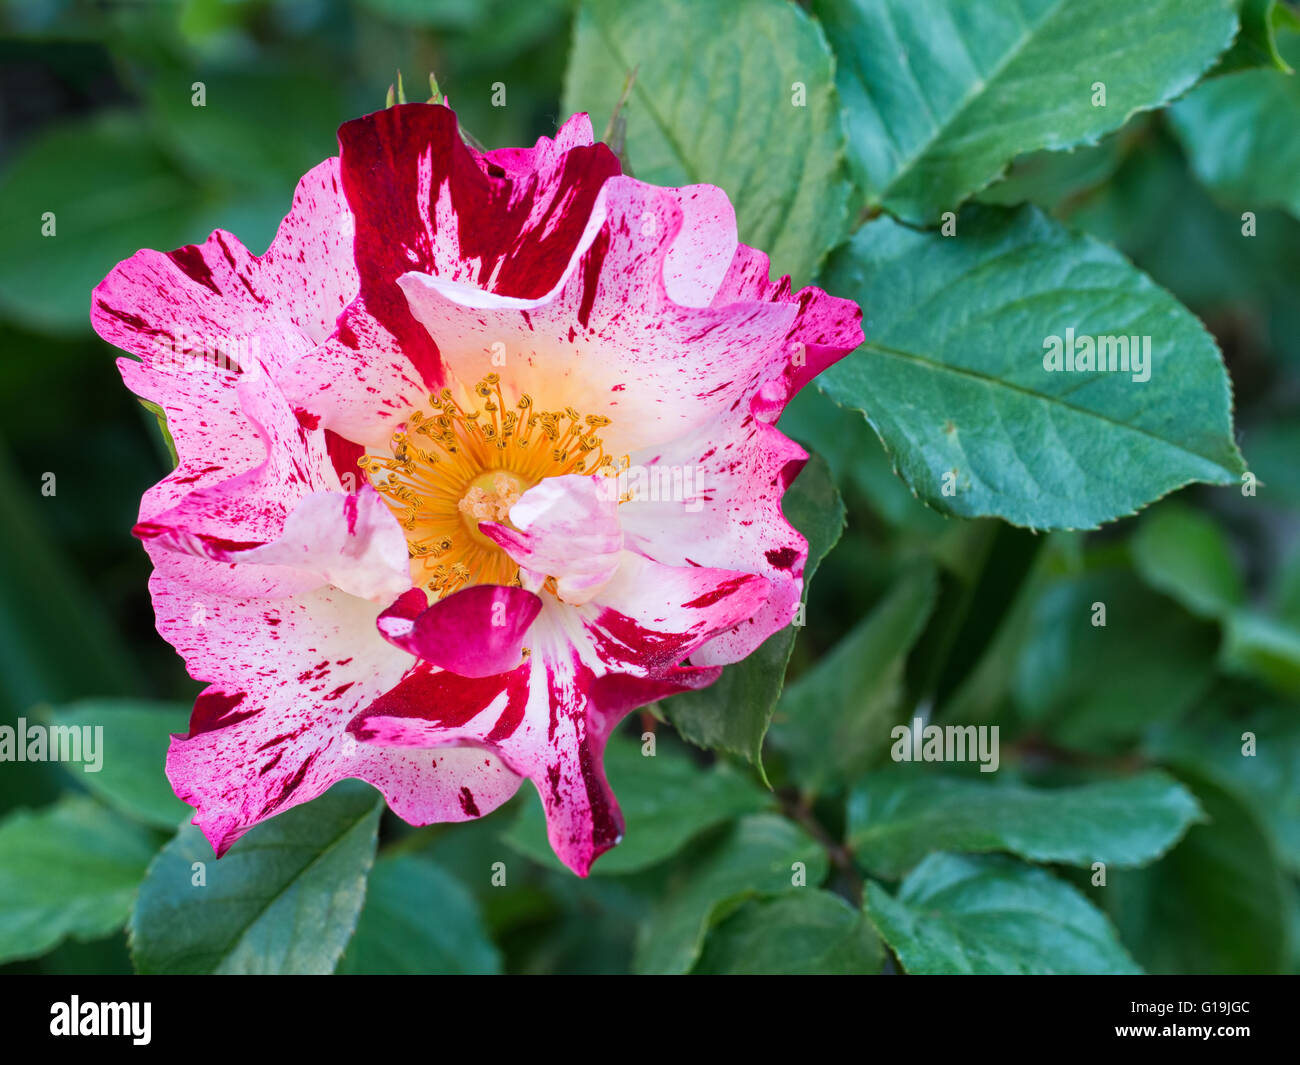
[{"x": 453, "y": 468}]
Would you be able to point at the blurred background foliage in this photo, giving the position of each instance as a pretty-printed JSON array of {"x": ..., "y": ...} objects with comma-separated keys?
[{"x": 969, "y": 620}]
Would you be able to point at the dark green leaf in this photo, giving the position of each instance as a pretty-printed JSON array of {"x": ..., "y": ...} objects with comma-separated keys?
[
  {"x": 284, "y": 898},
  {"x": 416, "y": 920},
  {"x": 1256, "y": 44},
  {"x": 952, "y": 374},
  {"x": 1239, "y": 132},
  {"x": 1256, "y": 758},
  {"x": 942, "y": 94},
  {"x": 836, "y": 718},
  {"x": 899, "y": 815},
  {"x": 136, "y": 736},
  {"x": 804, "y": 932},
  {"x": 761, "y": 855},
  {"x": 750, "y": 106},
  {"x": 733, "y": 714},
  {"x": 67, "y": 870},
  {"x": 666, "y": 799},
  {"x": 992, "y": 915},
  {"x": 1096, "y": 687},
  {"x": 1255, "y": 645},
  {"x": 1184, "y": 553},
  {"x": 1217, "y": 903}
]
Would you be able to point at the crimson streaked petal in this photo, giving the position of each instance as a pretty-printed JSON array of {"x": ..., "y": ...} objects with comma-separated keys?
[{"x": 476, "y": 632}]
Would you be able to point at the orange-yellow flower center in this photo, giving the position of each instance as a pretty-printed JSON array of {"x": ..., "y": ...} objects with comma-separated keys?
[{"x": 461, "y": 465}]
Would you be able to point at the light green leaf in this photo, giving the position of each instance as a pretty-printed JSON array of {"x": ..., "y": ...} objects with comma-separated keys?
[
  {"x": 897, "y": 816},
  {"x": 836, "y": 718},
  {"x": 1183, "y": 553},
  {"x": 284, "y": 898},
  {"x": 804, "y": 932},
  {"x": 749, "y": 105},
  {"x": 952, "y": 374},
  {"x": 1239, "y": 132},
  {"x": 758, "y": 857},
  {"x": 1266, "y": 648},
  {"x": 133, "y": 755},
  {"x": 164, "y": 432},
  {"x": 666, "y": 800},
  {"x": 1256, "y": 44},
  {"x": 418, "y": 919},
  {"x": 1217, "y": 903},
  {"x": 734, "y": 712},
  {"x": 942, "y": 94},
  {"x": 70, "y": 869},
  {"x": 992, "y": 915}
]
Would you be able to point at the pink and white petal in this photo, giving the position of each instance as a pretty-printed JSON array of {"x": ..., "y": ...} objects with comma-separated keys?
[
  {"x": 619, "y": 693},
  {"x": 609, "y": 340},
  {"x": 251, "y": 509},
  {"x": 476, "y": 632},
  {"x": 825, "y": 328},
  {"x": 423, "y": 202},
  {"x": 649, "y": 617},
  {"x": 539, "y": 719},
  {"x": 360, "y": 380},
  {"x": 737, "y": 522},
  {"x": 214, "y": 439},
  {"x": 352, "y": 542},
  {"x": 701, "y": 255},
  {"x": 545, "y": 155},
  {"x": 286, "y": 677},
  {"x": 566, "y": 528},
  {"x": 217, "y": 294}
]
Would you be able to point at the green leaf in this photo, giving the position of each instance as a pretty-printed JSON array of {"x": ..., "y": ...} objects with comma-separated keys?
[
  {"x": 1239, "y": 132},
  {"x": 666, "y": 800},
  {"x": 235, "y": 138},
  {"x": 992, "y": 915},
  {"x": 1049, "y": 179},
  {"x": 1256, "y": 44},
  {"x": 857, "y": 460},
  {"x": 284, "y": 898},
  {"x": 70, "y": 869},
  {"x": 897, "y": 816},
  {"x": 1256, "y": 758},
  {"x": 805, "y": 932},
  {"x": 952, "y": 374},
  {"x": 1183, "y": 553},
  {"x": 1217, "y": 903},
  {"x": 132, "y": 757},
  {"x": 1097, "y": 687},
  {"x": 44, "y": 611},
  {"x": 942, "y": 94},
  {"x": 164, "y": 432},
  {"x": 835, "y": 719},
  {"x": 418, "y": 919},
  {"x": 111, "y": 192},
  {"x": 725, "y": 111},
  {"x": 1268, "y": 649},
  {"x": 734, "y": 712},
  {"x": 757, "y": 857}
]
